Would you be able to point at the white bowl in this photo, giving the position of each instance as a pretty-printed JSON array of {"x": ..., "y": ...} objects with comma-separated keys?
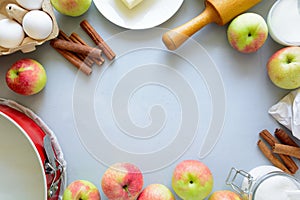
[{"x": 283, "y": 22}]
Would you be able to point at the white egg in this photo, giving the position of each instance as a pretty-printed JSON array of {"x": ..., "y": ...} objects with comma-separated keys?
[
  {"x": 31, "y": 4},
  {"x": 37, "y": 24},
  {"x": 11, "y": 34}
]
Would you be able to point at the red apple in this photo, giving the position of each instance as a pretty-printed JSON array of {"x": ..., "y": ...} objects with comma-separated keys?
[
  {"x": 26, "y": 77},
  {"x": 81, "y": 189},
  {"x": 224, "y": 195},
  {"x": 192, "y": 180},
  {"x": 247, "y": 32},
  {"x": 122, "y": 181},
  {"x": 284, "y": 68},
  {"x": 156, "y": 192}
]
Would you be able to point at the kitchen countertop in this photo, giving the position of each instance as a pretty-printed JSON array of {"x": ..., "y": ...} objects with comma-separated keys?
[{"x": 246, "y": 97}]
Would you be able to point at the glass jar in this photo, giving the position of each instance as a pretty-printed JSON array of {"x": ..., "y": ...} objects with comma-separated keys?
[
  {"x": 283, "y": 22},
  {"x": 274, "y": 185}
]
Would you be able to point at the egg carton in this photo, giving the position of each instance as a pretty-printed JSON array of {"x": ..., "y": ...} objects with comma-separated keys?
[{"x": 28, "y": 44}]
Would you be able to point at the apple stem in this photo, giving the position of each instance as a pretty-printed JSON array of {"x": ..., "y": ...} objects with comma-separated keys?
[
  {"x": 289, "y": 59},
  {"x": 125, "y": 187}
]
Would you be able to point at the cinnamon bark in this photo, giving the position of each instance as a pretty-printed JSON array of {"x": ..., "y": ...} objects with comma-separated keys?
[
  {"x": 285, "y": 138},
  {"x": 287, "y": 150},
  {"x": 76, "y": 48},
  {"x": 77, "y": 39},
  {"x": 268, "y": 137},
  {"x": 271, "y": 157},
  {"x": 287, "y": 160},
  {"x": 62, "y": 35},
  {"x": 75, "y": 61},
  {"x": 88, "y": 61},
  {"x": 98, "y": 40}
]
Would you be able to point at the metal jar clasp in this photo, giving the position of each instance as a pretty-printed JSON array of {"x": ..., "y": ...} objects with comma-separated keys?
[{"x": 232, "y": 178}]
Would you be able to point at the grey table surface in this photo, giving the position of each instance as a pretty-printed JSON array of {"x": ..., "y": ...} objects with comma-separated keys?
[{"x": 247, "y": 96}]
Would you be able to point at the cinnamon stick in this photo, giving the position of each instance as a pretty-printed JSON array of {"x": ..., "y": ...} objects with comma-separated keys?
[
  {"x": 76, "y": 38},
  {"x": 287, "y": 150},
  {"x": 271, "y": 157},
  {"x": 268, "y": 137},
  {"x": 75, "y": 61},
  {"x": 287, "y": 160},
  {"x": 98, "y": 40},
  {"x": 76, "y": 48},
  {"x": 62, "y": 35},
  {"x": 285, "y": 138}
]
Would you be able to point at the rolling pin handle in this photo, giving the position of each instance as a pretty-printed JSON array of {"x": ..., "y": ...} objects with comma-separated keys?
[
  {"x": 173, "y": 39},
  {"x": 177, "y": 36}
]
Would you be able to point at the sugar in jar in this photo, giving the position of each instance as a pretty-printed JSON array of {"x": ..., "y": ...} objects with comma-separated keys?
[{"x": 265, "y": 183}]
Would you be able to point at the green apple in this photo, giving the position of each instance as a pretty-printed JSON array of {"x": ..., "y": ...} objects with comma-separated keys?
[
  {"x": 284, "y": 68},
  {"x": 156, "y": 192},
  {"x": 224, "y": 195},
  {"x": 73, "y": 8},
  {"x": 192, "y": 180},
  {"x": 26, "y": 77},
  {"x": 81, "y": 190},
  {"x": 247, "y": 32}
]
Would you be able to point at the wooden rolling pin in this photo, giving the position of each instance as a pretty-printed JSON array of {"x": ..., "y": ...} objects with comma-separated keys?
[{"x": 218, "y": 11}]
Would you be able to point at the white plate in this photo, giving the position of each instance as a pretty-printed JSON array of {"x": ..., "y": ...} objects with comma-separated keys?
[{"x": 148, "y": 14}]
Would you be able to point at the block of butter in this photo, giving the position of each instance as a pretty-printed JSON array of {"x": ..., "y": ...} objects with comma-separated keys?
[{"x": 131, "y": 3}]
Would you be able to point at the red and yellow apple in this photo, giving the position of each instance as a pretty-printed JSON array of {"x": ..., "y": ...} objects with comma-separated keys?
[
  {"x": 122, "y": 181},
  {"x": 81, "y": 189},
  {"x": 26, "y": 77},
  {"x": 73, "y": 8},
  {"x": 224, "y": 195},
  {"x": 192, "y": 180},
  {"x": 284, "y": 68},
  {"x": 156, "y": 192},
  {"x": 247, "y": 32}
]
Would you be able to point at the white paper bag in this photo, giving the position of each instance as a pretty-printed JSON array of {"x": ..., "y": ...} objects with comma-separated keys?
[{"x": 287, "y": 112}]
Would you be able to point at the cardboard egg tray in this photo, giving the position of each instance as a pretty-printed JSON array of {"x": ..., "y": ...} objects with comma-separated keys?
[{"x": 28, "y": 43}]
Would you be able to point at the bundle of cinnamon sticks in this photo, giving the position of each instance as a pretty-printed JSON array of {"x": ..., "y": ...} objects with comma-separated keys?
[
  {"x": 281, "y": 151},
  {"x": 78, "y": 52}
]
